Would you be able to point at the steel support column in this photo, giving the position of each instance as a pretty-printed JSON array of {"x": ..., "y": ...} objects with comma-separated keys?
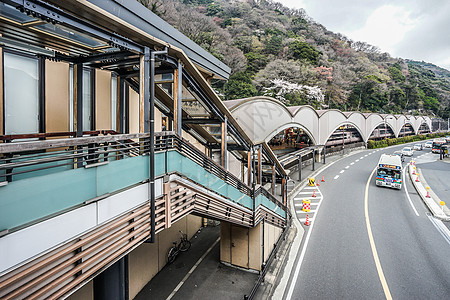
[
  {"x": 300, "y": 167},
  {"x": 260, "y": 165},
  {"x": 273, "y": 179},
  {"x": 152, "y": 140},
  {"x": 313, "y": 159},
  {"x": 224, "y": 141},
  {"x": 249, "y": 167},
  {"x": 178, "y": 97}
]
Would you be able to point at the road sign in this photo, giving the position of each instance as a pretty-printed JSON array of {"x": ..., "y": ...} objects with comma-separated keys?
[{"x": 312, "y": 181}]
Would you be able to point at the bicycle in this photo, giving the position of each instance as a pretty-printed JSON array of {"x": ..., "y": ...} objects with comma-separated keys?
[{"x": 182, "y": 246}]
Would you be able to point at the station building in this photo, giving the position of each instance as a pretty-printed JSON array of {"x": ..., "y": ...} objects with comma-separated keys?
[{"x": 112, "y": 141}]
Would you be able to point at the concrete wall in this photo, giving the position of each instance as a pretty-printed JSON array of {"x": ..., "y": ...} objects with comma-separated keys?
[
  {"x": 149, "y": 258},
  {"x": 247, "y": 247}
]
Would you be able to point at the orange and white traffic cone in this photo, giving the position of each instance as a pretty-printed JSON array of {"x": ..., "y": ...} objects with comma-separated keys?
[
  {"x": 318, "y": 183},
  {"x": 428, "y": 192},
  {"x": 307, "y": 220},
  {"x": 323, "y": 178},
  {"x": 414, "y": 171},
  {"x": 314, "y": 193},
  {"x": 417, "y": 178}
]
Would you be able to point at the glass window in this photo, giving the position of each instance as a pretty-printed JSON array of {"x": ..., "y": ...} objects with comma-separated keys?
[
  {"x": 114, "y": 102},
  {"x": 21, "y": 85},
  {"x": 87, "y": 100}
]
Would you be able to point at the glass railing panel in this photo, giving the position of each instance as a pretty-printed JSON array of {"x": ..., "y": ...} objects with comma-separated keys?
[
  {"x": 30, "y": 199},
  {"x": 263, "y": 200},
  {"x": 121, "y": 174}
]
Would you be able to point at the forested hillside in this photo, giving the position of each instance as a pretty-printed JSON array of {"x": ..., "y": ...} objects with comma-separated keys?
[{"x": 281, "y": 52}]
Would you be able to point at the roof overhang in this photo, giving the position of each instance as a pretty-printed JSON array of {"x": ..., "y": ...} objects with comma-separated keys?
[{"x": 132, "y": 19}]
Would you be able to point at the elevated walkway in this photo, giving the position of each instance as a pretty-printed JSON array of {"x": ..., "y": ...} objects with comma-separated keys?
[{"x": 84, "y": 203}]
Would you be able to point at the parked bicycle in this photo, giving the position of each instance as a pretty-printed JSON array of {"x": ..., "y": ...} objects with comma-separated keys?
[{"x": 182, "y": 246}]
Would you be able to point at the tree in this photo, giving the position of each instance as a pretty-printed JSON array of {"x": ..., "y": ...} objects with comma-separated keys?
[
  {"x": 303, "y": 51},
  {"x": 396, "y": 74},
  {"x": 255, "y": 62},
  {"x": 239, "y": 85},
  {"x": 274, "y": 44},
  {"x": 294, "y": 94}
]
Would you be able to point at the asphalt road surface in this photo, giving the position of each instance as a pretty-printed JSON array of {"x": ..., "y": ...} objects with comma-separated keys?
[{"x": 369, "y": 242}]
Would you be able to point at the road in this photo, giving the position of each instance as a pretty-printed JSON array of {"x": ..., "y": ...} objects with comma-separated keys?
[{"x": 369, "y": 242}]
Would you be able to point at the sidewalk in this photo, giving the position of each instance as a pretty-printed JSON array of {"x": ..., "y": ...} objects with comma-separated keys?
[
  {"x": 210, "y": 280},
  {"x": 433, "y": 201}
]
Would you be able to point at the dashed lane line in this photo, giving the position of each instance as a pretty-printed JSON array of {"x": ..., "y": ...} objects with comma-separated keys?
[
  {"x": 336, "y": 177},
  {"x": 342, "y": 171}
]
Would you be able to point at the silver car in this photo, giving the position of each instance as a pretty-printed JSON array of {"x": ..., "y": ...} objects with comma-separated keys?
[
  {"x": 418, "y": 147},
  {"x": 407, "y": 151}
]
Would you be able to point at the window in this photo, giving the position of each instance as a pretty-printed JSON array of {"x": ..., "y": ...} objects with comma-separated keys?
[
  {"x": 21, "y": 86},
  {"x": 87, "y": 101}
]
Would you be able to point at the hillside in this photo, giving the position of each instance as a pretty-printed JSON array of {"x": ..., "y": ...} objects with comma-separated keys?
[{"x": 283, "y": 53}]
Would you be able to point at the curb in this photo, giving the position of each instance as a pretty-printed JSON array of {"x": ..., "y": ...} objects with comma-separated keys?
[{"x": 431, "y": 202}]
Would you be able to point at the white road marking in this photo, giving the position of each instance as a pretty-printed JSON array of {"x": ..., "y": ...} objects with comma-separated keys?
[
  {"x": 336, "y": 177},
  {"x": 357, "y": 160},
  {"x": 441, "y": 228},
  {"x": 365, "y": 155},
  {"x": 309, "y": 193},
  {"x": 192, "y": 270},
  {"x": 302, "y": 254},
  {"x": 347, "y": 167},
  {"x": 342, "y": 171},
  {"x": 361, "y": 157},
  {"x": 352, "y": 163},
  {"x": 407, "y": 194}
]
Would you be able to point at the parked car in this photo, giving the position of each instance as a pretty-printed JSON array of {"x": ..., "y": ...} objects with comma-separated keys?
[
  {"x": 418, "y": 147},
  {"x": 399, "y": 153},
  {"x": 429, "y": 144},
  {"x": 407, "y": 151}
]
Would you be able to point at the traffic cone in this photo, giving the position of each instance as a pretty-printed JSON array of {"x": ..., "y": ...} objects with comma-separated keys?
[
  {"x": 314, "y": 193},
  {"x": 318, "y": 183},
  {"x": 428, "y": 192},
  {"x": 417, "y": 178},
  {"x": 323, "y": 178},
  {"x": 307, "y": 220},
  {"x": 414, "y": 171}
]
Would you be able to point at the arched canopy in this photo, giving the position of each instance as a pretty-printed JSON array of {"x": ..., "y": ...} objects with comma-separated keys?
[{"x": 263, "y": 117}]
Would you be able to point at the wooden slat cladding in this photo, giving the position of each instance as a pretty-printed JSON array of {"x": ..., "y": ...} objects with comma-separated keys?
[{"x": 56, "y": 273}]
